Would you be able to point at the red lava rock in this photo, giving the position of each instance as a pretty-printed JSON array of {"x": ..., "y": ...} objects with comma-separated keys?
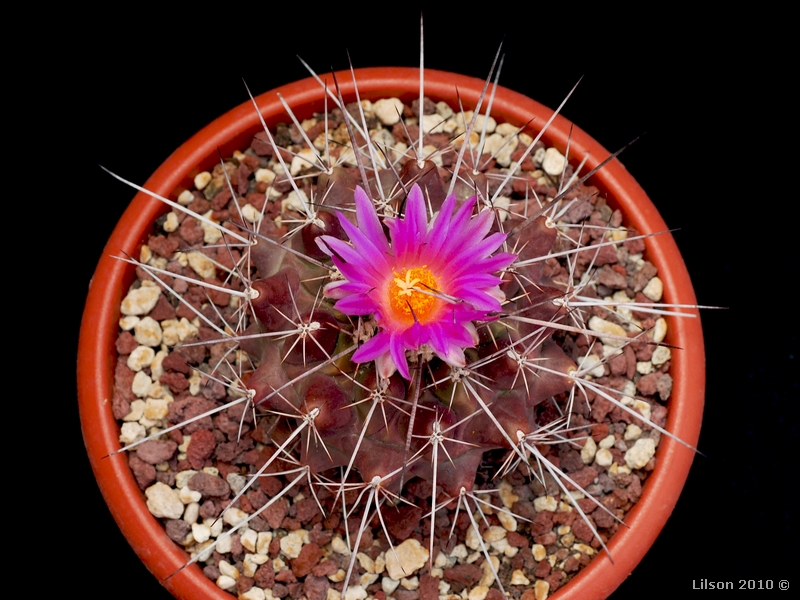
[
  {"x": 647, "y": 384},
  {"x": 528, "y": 594},
  {"x": 144, "y": 473},
  {"x": 163, "y": 246},
  {"x": 265, "y": 576},
  {"x": 285, "y": 576},
  {"x": 516, "y": 540},
  {"x": 290, "y": 524},
  {"x": 123, "y": 380},
  {"x": 275, "y": 513},
  {"x": 316, "y": 588},
  {"x": 310, "y": 554},
  {"x": 402, "y": 520},
  {"x": 542, "y": 569},
  {"x": 463, "y": 575},
  {"x": 200, "y": 448},
  {"x": 119, "y": 405},
  {"x": 188, "y": 407},
  {"x": 428, "y": 587},
  {"x": 305, "y": 510},
  {"x": 163, "y": 309},
  {"x": 610, "y": 278},
  {"x": 495, "y": 594},
  {"x": 177, "y": 382},
  {"x": 542, "y": 523},
  {"x": 156, "y": 451},
  {"x": 244, "y": 583},
  {"x": 634, "y": 489},
  {"x": 208, "y": 485},
  {"x": 191, "y": 231},
  {"x": 209, "y": 510},
  {"x": 583, "y": 477},
  {"x": 664, "y": 386},
  {"x": 571, "y": 564},
  {"x": 126, "y": 343},
  {"x": 325, "y": 568},
  {"x": 555, "y": 580}
]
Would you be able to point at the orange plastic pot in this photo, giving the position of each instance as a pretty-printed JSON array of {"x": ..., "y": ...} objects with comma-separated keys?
[{"x": 97, "y": 356}]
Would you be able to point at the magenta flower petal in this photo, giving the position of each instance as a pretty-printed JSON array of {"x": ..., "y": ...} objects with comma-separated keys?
[{"x": 425, "y": 286}]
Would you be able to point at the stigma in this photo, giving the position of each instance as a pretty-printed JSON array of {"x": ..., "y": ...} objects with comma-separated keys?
[{"x": 412, "y": 294}]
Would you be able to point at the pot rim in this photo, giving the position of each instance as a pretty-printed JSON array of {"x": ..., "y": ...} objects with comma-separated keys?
[{"x": 233, "y": 130}]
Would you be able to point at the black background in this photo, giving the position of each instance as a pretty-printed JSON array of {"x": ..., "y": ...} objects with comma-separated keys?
[{"x": 709, "y": 97}]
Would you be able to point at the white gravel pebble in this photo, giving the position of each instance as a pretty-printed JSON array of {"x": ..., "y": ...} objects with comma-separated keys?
[
  {"x": 226, "y": 583},
  {"x": 131, "y": 432},
  {"x": 644, "y": 367},
  {"x": 263, "y": 542},
  {"x": 191, "y": 513},
  {"x": 141, "y": 300},
  {"x": 249, "y": 539},
  {"x": 141, "y": 385},
  {"x": 539, "y": 552},
  {"x": 604, "y": 457},
  {"x": 156, "y": 409},
  {"x": 292, "y": 543},
  {"x": 554, "y": 162},
  {"x": 654, "y": 289},
  {"x": 147, "y": 332},
  {"x": 254, "y": 593},
  {"x": 201, "y": 180},
  {"x": 188, "y": 496},
  {"x": 388, "y": 110},
  {"x": 251, "y": 213},
  {"x": 661, "y": 355},
  {"x": 479, "y": 592},
  {"x": 640, "y": 454},
  {"x": 224, "y": 542},
  {"x": 507, "y": 520},
  {"x": 607, "y": 442},
  {"x": 389, "y": 585},
  {"x": 200, "y": 532},
  {"x": 163, "y": 502},
  {"x": 201, "y": 264},
  {"x": 493, "y": 534},
  {"x": 545, "y": 503},
  {"x": 128, "y": 323},
  {"x": 339, "y": 546},
  {"x": 518, "y": 578},
  {"x": 410, "y": 554},
  {"x": 355, "y": 593},
  {"x": 265, "y": 176},
  {"x": 588, "y": 451},
  {"x": 541, "y": 589},
  {"x": 472, "y": 539},
  {"x": 236, "y": 481},
  {"x": 602, "y": 326},
  {"x": 228, "y": 569},
  {"x": 660, "y": 330},
  {"x": 233, "y": 516},
  {"x": 632, "y": 432}
]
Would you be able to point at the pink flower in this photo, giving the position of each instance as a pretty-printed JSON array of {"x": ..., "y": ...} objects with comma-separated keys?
[{"x": 426, "y": 286}]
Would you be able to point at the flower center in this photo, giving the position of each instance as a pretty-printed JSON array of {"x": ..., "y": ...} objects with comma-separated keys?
[{"x": 411, "y": 294}]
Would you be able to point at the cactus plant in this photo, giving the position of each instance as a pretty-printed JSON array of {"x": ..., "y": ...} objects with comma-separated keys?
[{"x": 378, "y": 361}]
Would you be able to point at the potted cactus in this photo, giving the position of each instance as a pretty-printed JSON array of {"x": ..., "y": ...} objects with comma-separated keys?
[{"x": 439, "y": 376}]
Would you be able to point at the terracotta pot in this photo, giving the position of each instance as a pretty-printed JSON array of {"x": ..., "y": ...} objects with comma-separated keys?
[{"x": 232, "y": 131}]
